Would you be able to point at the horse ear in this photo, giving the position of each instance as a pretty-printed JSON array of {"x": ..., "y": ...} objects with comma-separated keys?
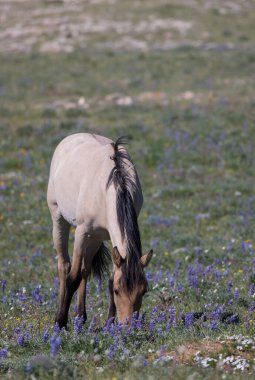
[
  {"x": 116, "y": 257},
  {"x": 145, "y": 259}
]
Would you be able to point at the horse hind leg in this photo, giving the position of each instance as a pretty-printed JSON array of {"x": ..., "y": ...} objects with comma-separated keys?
[{"x": 91, "y": 250}]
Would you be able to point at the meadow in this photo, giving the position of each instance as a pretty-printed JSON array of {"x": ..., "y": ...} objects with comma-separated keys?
[{"x": 183, "y": 93}]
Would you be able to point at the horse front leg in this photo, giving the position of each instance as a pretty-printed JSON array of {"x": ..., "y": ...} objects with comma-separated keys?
[
  {"x": 73, "y": 278},
  {"x": 60, "y": 233}
]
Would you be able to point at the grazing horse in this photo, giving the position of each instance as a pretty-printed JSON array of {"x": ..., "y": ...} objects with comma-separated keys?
[{"x": 94, "y": 186}]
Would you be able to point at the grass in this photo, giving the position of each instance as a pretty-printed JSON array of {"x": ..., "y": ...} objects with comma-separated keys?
[{"x": 191, "y": 130}]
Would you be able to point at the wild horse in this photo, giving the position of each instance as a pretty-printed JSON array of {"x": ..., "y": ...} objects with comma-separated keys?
[{"x": 94, "y": 186}]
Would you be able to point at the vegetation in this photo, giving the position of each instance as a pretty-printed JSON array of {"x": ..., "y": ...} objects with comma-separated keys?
[{"x": 189, "y": 114}]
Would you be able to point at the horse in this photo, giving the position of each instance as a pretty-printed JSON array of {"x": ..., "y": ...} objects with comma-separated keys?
[{"x": 94, "y": 187}]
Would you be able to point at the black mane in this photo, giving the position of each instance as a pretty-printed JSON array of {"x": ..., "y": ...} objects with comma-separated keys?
[{"x": 126, "y": 214}]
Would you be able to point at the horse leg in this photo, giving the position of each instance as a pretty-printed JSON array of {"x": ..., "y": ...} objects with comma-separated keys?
[
  {"x": 90, "y": 249},
  {"x": 61, "y": 230},
  {"x": 112, "y": 306},
  {"x": 83, "y": 248}
]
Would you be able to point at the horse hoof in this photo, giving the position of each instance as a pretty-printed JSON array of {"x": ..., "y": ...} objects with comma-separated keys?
[{"x": 61, "y": 321}]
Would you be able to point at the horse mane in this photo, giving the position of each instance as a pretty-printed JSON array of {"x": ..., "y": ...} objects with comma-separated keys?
[{"x": 133, "y": 274}]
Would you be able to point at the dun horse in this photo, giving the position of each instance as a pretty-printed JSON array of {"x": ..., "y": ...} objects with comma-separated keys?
[{"x": 93, "y": 185}]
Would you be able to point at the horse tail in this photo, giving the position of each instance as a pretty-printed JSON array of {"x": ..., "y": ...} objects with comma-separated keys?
[{"x": 100, "y": 262}]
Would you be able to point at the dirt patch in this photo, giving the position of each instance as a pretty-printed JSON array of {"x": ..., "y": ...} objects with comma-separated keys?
[{"x": 185, "y": 354}]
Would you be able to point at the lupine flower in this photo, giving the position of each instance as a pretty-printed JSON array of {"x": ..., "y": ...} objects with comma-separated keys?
[
  {"x": 171, "y": 281},
  {"x": 216, "y": 313},
  {"x": 193, "y": 280},
  {"x": 112, "y": 350},
  {"x": 55, "y": 344},
  {"x": 214, "y": 325},
  {"x": 161, "y": 317},
  {"x": 3, "y": 284},
  {"x": 252, "y": 290},
  {"x": 230, "y": 285},
  {"x": 134, "y": 319},
  {"x": 245, "y": 246},
  {"x": 236, "y": 293},
  {"x": 3, "y": 353},
  {"x": 172, "y": 317},
  {"x": 56, "y": 328},
  {"x": 152, "y": 325},
  {"x": 92, "y": 324},
  {"x": 158, "y": 277},
  {"x": 37, "y": 296},
  {"x": 45, "y": 336},
  {"x": 177, "y": 267},
  {"x": 188, "y": 320},
  {"x": 140, "y": 321},
  {"x": 218, "y": 275},
  {"x": 16, "y": 330},
  {"x": 108, "y": 325},
  {"x": 78, "y": 324},
  {"x": 21, "y": 340}
]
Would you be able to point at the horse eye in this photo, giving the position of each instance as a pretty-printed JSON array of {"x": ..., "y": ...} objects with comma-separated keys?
[{"x": 116, "y": 292}]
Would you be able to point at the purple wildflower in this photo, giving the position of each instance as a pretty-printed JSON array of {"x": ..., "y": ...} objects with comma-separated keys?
[
  {"x": 245, "y": 246},
  {"x": 230, "y": 285},
  {"x": 252, "y": 290},
  {"x": 236, "y": 293},
  {"x": 108, "y": 325},
  {"x": 177, "y": 267},
  {"x": 158, "y": 277},
  {"x": 45, "y": 336},
  {"x": 3, "y": 353},
  {"x": 92, "y": 324},
  {"x": 37, "y": 296},
  {"x": 56, "y": 328},
  {"x": 134, "y": 319},
  {"x": 188, "y": 320},
  {"x": 171, "y": 281},
  {"x": 161, "y": 317},
  {"x": 152, "y": 325},
  {"x": 218, "y": 275},
  {"x": 78, "y": 324},
  {"x": 21, "y": 340},
  {"x": 16, "y": 330},
  {"x": 214, "y": 325},
  {"x": 55, "y": 344},
  {"x": 112, "y": 350},
  {"x": 3, "y": 284},
  {"x": 172, "y": 317},
  {"x": 216, "y": 313},
  {"x": 140, "y": 321}
]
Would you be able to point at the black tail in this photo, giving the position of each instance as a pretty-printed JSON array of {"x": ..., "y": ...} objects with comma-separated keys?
[{"x": 100, "y": 262}]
